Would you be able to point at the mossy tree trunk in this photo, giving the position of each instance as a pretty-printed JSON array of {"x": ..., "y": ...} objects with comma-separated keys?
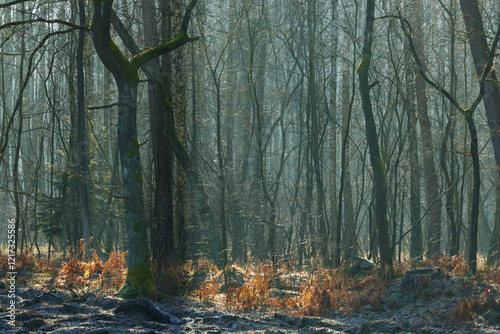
[
  {"x": 140, "y": 281},
  {"x": 140, "y": 278}
]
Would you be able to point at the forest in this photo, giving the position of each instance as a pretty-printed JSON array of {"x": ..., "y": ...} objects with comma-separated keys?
[{"x": 195, "y": 164}]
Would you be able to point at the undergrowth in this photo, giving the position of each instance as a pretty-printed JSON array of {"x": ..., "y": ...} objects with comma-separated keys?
[
  {"x": 93, "y": 276},
  {"x": 326, "y": 291},
  {"x": 259, "y": 287}
]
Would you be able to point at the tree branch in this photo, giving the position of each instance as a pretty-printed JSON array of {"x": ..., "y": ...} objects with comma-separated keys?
[
  {"x": 405, "y": 25},
  {"x": 5, "y": 138},
  {"x": 12, "y": 3},
  {"x": 104, "y": 107},
  {"x": 181, "y": 39},
  {"x": 69, "y": 24}
]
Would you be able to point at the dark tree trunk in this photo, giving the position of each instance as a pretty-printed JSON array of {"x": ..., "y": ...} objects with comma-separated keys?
[
  {"x": 374, "y": 151},
  {"x": 450, "y": 198},
  {"x": 139, "y": 277},
  {"x": 81, "y": 143},
  {"x": 162, "y": 241},
  {"x": 475, "y": 194},
  {"x": 431, "y": 179},
  {"x": 126, "y": 73},
  {"x": 493, "y": 252},
  {"x": 480, "y": 53}
]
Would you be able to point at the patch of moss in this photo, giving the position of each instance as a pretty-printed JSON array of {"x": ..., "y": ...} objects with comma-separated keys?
[
  {"x": 381, "y": 166},
  {"x": 130, "y": 154},
  {"x": 138, "y": 177},
  {"x": 139, "y": 283},
  {"x": 130, "y": 71},
  {"x": 365, "y": 60}
]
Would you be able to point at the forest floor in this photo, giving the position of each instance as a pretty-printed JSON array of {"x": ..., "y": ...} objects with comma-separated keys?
[{"x": 434, "y": 297}]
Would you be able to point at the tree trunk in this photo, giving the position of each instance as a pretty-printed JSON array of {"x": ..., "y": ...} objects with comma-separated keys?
[
  {"x": 162, "y": 241},
  {"x": 81, "y": 144},
  {"x": 333, "y": 134},
  {"x": 474, "y": 218},
  {"x": 126, "y": 73},
  {"x": 494, "y": 249},
  {"x": 373, "y": 145},
  {"x": 416, "y": 247},
  {"x": 480, "y": 53},
  {"x": 182, "y": 198},
  {"x": 139, "y": 278},
  {"x": 350, "y": 242},
  {"x": 431, "y": 179}
]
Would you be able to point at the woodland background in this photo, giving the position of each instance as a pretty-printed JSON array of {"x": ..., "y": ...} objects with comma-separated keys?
[{"x": 253, "y": 135}]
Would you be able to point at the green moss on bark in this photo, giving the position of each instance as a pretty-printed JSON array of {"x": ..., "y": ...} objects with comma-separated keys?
[
  {"x": 365, "y": 60},
  {"x": 138, "y": 177},
  {"x": 130, "y": 71},
  {"x": 139, "y": 283}
]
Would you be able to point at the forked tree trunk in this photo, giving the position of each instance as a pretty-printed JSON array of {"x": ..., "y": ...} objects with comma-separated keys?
[
  {"x": 480, "y": 53},
  {"x": 491, "y": 99},
  {"x": 140, "y": 279}
]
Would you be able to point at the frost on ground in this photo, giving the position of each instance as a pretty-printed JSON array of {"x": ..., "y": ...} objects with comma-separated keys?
[
  {"x": 420, "y": 302},
  {"x": 433, "y": 297}
]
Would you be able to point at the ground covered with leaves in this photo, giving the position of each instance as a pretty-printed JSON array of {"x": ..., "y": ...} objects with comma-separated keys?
[{"x": 435, "y": 296}]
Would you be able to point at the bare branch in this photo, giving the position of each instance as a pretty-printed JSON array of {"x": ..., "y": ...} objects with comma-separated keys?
[
  {"x": 5, "y": 139},
  {"x": 68, "y": 24},
  {"x": 12, "y": 3},
  {"x": 104, "y": 107},
  {"x": 181, "y": 39},
  {"x": 487, "y": 69}
]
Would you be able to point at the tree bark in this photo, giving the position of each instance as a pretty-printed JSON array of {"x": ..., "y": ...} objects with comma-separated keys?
[
  {"x": 162, "y": 241},
  {"x": 494, "y": 249},
  {"x": 431, "y": 179},
  {"x": 416, "y": 247},
  {"x": 82, "y": 153},
  {"x": 380, "y": 186},
  {"x": 474, "y": 218}
]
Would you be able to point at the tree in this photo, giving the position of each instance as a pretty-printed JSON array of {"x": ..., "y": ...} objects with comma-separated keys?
[
  {"x": 139, "y": 280},
  {"x": 379, "y": 181},
  {"x": 162, "y": 237},
  {"x": 431, "y": 179},
  {"x": 82, "y": 154},
  {"x": 468, "y": 114},
  {"x": 480, "y": 53}
]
